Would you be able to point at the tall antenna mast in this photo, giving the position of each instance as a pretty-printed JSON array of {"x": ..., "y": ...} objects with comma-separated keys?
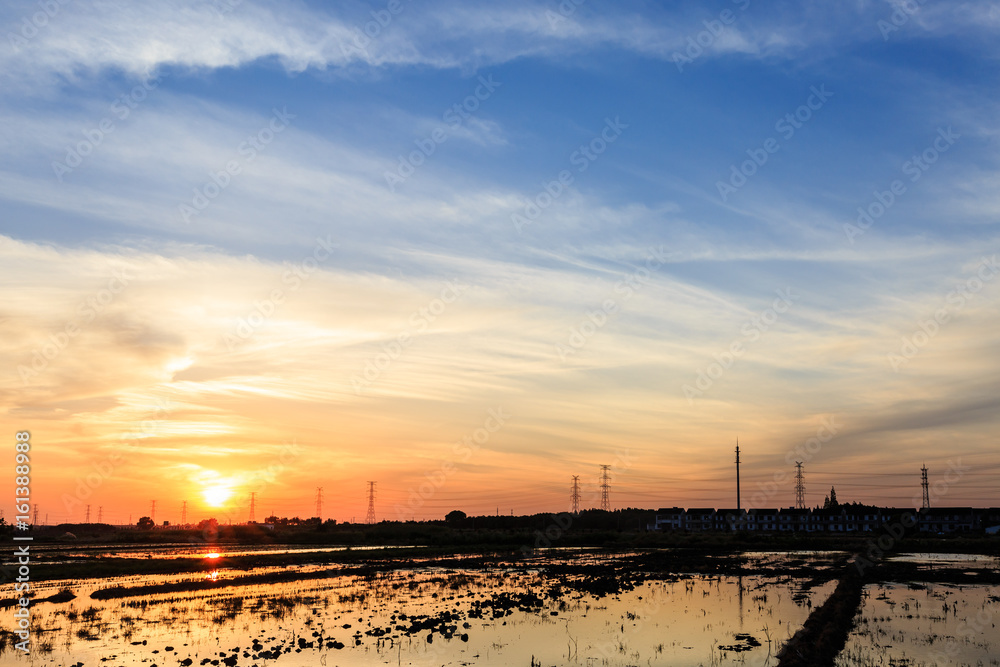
[
  {"x": 319, "y": 503},
  {"x": 923, "y": 483},
  {"x": 738, "y": 503},
  {"x": 253, "y": 507}
]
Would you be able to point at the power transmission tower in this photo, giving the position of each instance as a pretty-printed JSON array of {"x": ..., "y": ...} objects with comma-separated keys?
[
  {"x": 152, "y": 511},
  {"x": 87, "y": 520},
  {"x": 370, "y": 519},
  {"x": 319, "y": 503},
  {"x": 923, "y": 483},
  {"x": 605, "y": 497},
  {"x": 184, "y": 513},
  {"x": 100, "y": 514},
  {"x": 34, "y": 522},
  {"x": 739, "y": 504},
  {"x": 253, "y": 506},
  {"x": 800, "y": 487},
  {"x": 575, "y": 495}
]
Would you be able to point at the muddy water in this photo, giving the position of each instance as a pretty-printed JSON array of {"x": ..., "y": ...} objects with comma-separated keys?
[
  {"x": 430, "y": 617},
  {"x": 916, "y": 625}
]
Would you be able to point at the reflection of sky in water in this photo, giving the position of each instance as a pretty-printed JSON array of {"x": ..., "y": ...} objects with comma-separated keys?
[
  {"x": 188, "y": 551},
  {"x": 682, "y": 622},
  {"x": 970, "y": 561},
  {"x": 926, "y": 624}
]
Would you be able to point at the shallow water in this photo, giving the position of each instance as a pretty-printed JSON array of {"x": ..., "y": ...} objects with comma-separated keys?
[
  {"x": 479, "y": 617},
  {"x": 58, "y": 554},
  {"x": 925, "y": 624},
  {"x": 969, "y": 561}
]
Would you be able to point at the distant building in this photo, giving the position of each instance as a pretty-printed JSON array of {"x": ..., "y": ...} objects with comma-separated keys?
[
  {"x": 699, "y": 519},
  {"x": 670, "y": 518},
  {"x": 844, "y": 519},
  {"x": 947, "y": 520}
]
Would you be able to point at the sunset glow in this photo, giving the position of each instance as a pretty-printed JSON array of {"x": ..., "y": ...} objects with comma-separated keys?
[
  {"x": 217, "y": 496},
  {"x": 293, "y": 267}
]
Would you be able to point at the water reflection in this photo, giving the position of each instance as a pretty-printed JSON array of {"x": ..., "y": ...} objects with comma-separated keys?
[
  {"x": 925, "y": 624},
  {"x": 500, "y": 616}
]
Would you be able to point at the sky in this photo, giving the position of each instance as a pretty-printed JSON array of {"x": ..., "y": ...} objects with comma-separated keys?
[{"x": 467, "y": 251}]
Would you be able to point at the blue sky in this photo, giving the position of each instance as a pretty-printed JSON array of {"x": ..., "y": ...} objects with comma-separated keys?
[{"x": 181, "y": 86}]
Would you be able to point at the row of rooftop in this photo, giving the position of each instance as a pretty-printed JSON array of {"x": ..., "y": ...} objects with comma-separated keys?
[{"x": 845, "y": 519}]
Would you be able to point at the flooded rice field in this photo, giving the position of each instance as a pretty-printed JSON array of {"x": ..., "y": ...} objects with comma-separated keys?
[
  {"x": 581, "y": 609},
  {"x": 923, "y": 625}
]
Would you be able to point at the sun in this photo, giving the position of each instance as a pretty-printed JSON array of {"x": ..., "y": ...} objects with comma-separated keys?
[{"x": 217, "y": 495}]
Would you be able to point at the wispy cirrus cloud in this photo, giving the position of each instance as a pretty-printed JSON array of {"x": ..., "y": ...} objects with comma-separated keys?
[{"x": 82, "y": 39}]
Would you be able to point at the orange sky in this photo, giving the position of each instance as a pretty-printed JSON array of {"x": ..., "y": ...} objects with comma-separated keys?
[{"x": 146, "y": 400}]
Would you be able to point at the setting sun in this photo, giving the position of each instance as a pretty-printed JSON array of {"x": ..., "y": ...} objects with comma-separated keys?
[{"x": 216, "y": 496}]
